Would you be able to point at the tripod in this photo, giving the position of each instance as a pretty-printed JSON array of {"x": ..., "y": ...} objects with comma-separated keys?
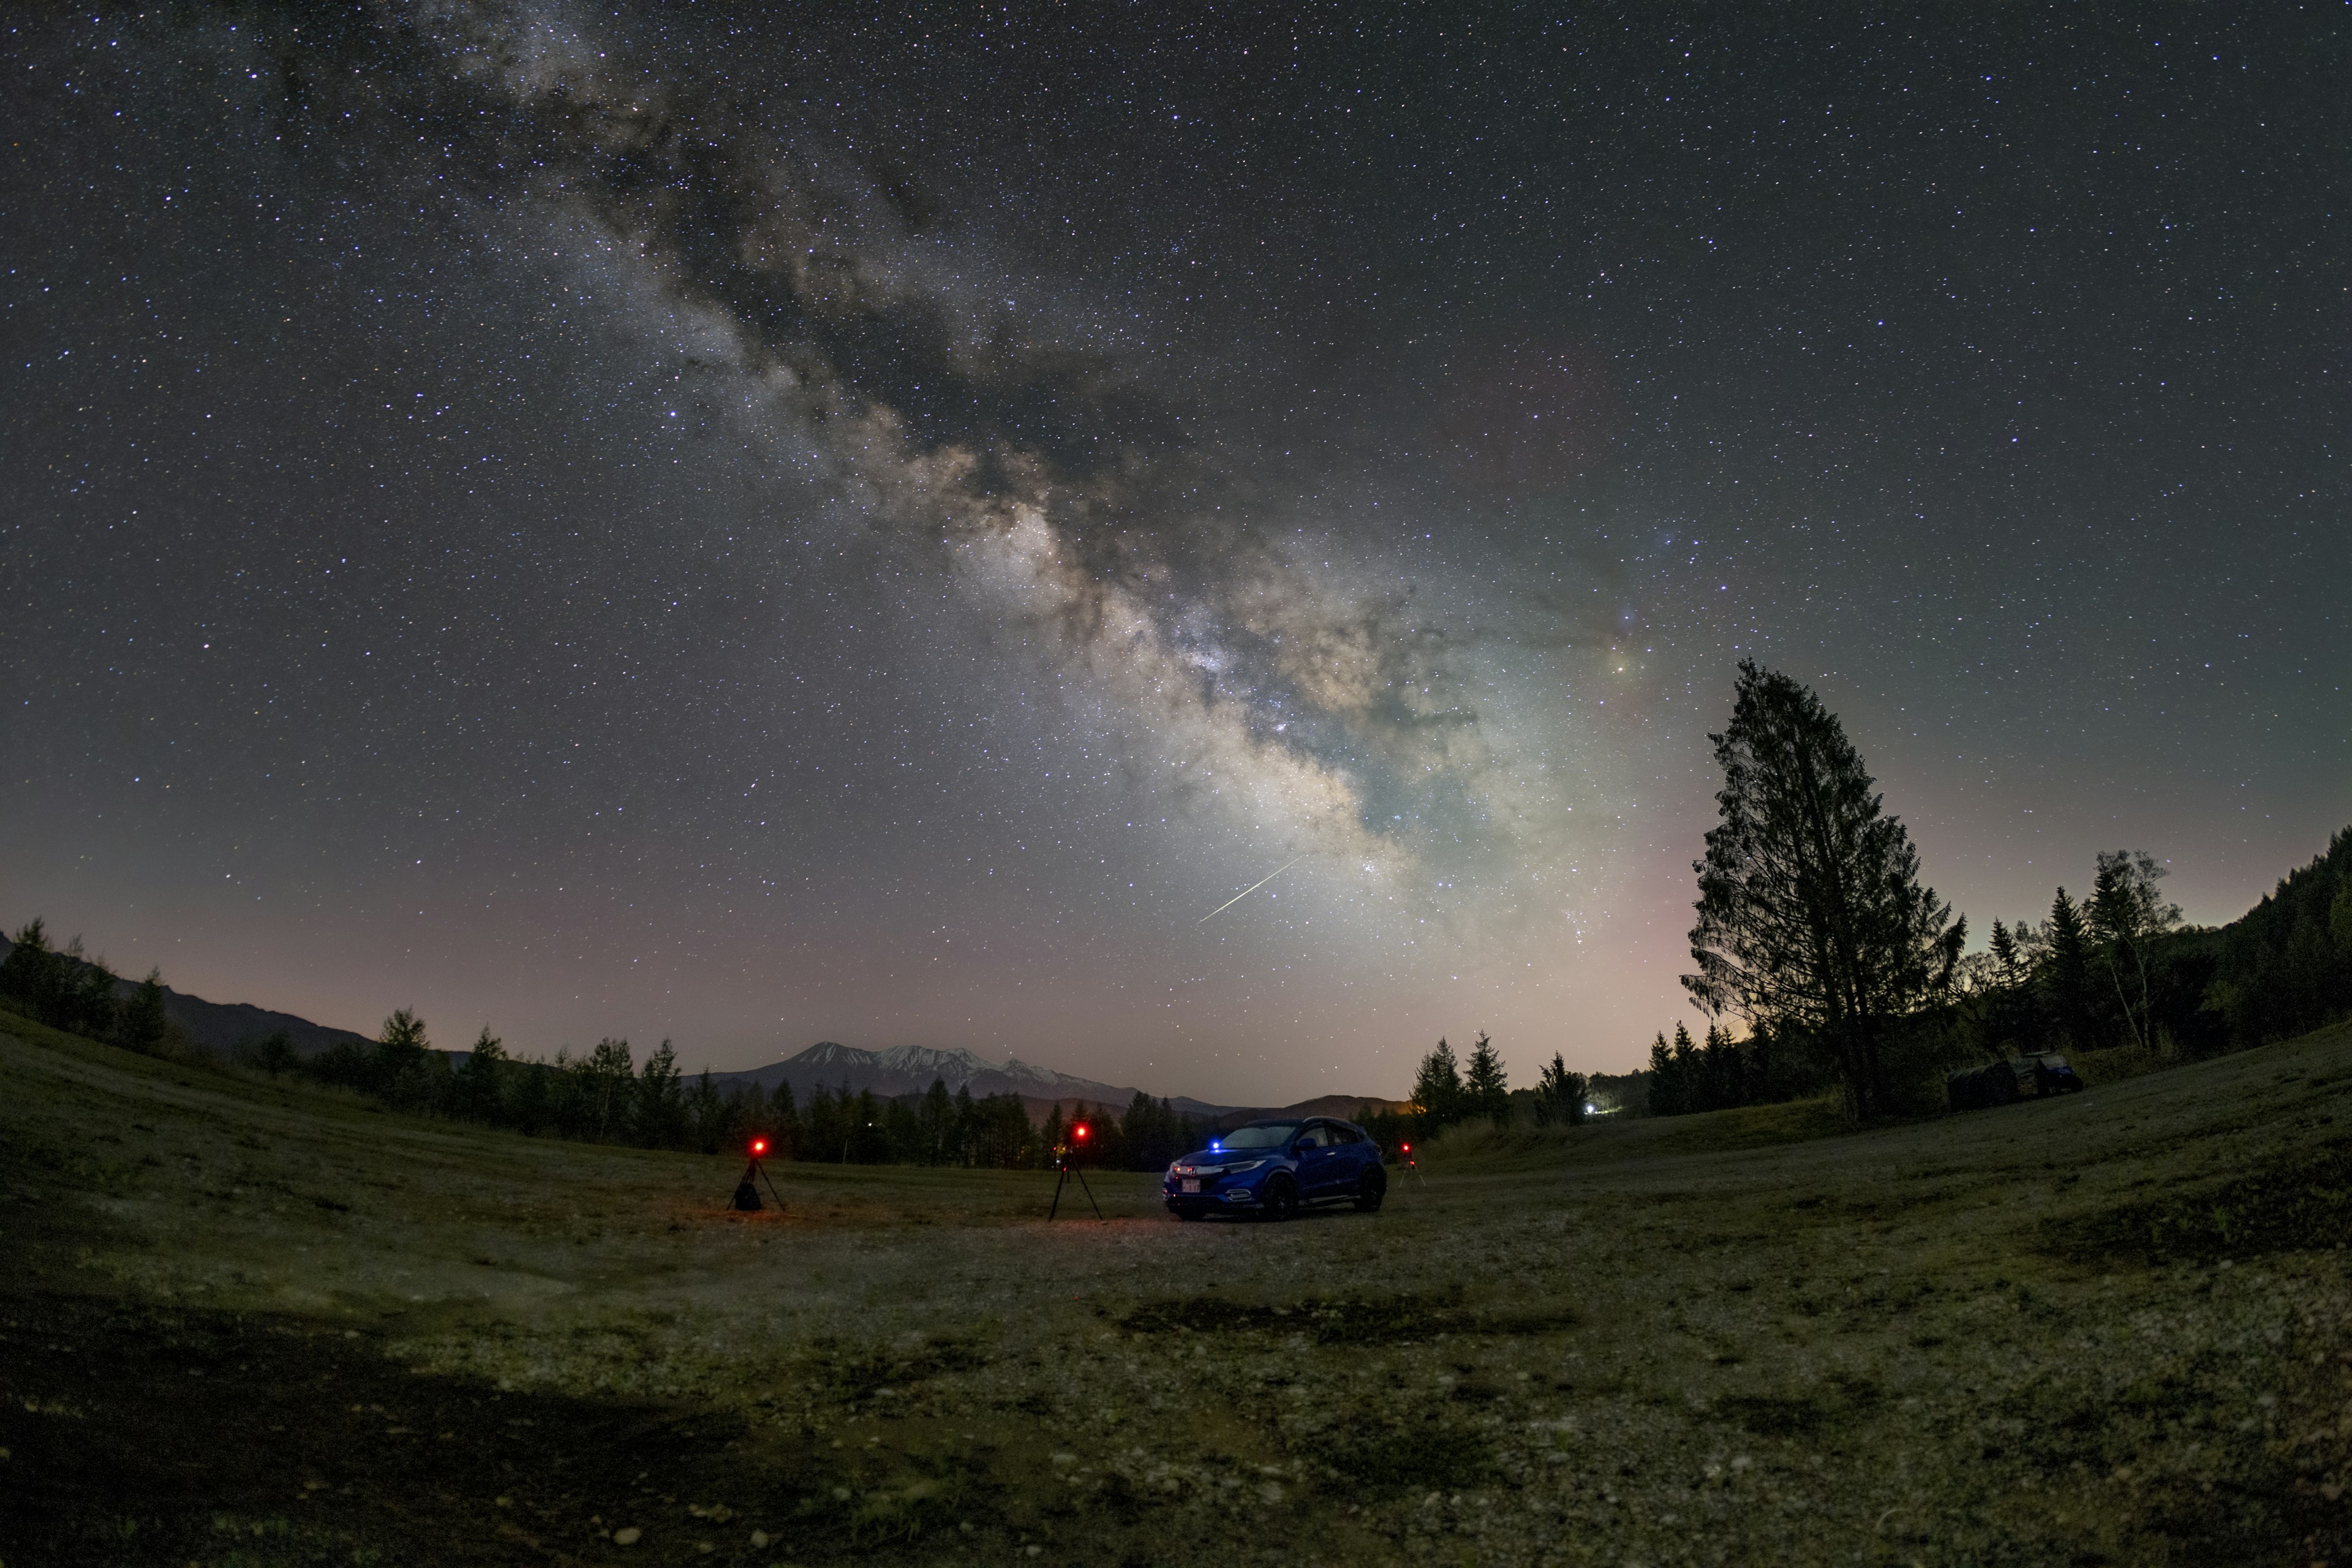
[
  {"x": 747, "y": 1191},
  {"x": 1070, "y": 1168}
]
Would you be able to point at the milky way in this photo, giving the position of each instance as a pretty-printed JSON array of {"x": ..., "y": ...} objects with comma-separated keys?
[{"x": 870, "y": 529}]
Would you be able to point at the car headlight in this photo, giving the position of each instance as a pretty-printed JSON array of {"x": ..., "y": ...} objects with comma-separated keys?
[{"x": 1244, "y": 1165}]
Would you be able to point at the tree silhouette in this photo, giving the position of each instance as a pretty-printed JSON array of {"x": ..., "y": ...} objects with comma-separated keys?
[
  {"x": 144, "y": 1025},
  {"x": 2129, "y": 918},
  {"x": 275, "y": 1054},
  {"x": 660, "y": 1109},
  {"x": 1437, "y": 1089},
  {"x": 1668, "y": 1094},
  {"x": 1559, "y": 1095},
  {"x": 1811, "y": 910},
  {"x": 935, "y": 1124},
  {"x": 2068, "y": 978},
  {"x": 1485, "y": 1086}
]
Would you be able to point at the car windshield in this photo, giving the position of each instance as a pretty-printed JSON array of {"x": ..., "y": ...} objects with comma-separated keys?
[{"x": 1258, "y": 1135}]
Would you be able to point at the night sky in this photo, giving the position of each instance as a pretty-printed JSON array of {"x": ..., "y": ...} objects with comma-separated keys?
[{"x": 869, "y": 526}]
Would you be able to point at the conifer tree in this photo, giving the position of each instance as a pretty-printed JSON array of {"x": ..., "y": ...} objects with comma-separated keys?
[
  {"x": 1811, "y": 910},
  {"x": 1723, "y": 1072},
  {"x": 1687, "y": 1070},
  {"x": 901, "y": 1135},
  {"x": 401, "y": 1048},
  {"x": 1559, "y": 1095},
  {"x": 1437, "y": 1089},
  {"x": 403, "y": 1071},
  {"x": 481, "y": 1087},
  {"x": 2068, "y": 978},
  {"x": 783, "y": 1122},
  {"x": 26, "y": 974},
  {"x": 1667, "y": 1095},
  {"x": 659, "y": 1113},
  {"x": 88, "y": 1005},
  {"x": 937, "y": 1124},
  {"x": 1485, "y": 1086},
  {"x": 869, "y": 1146},
  {"x": 2011, "y": 1009},
  {"x": 143, "y": 1024},
  {"x": 967, "y": 1128},
  {"x": 706, "y": 1113},
  {"x": 530, "y": 1098},
  {"x": 821, "y": 1127}
]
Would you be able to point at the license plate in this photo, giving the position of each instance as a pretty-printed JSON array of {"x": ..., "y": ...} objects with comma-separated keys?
[{"x": 1191, "y": 1183}]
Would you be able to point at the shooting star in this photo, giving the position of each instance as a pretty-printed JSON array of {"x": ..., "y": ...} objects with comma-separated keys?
[{"x": 1246, "y": 892}]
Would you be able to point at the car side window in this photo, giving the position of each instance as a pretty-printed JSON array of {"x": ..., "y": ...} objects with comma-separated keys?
[
  {"x": 1340, "y": 1134},
  {"x": 1312, "y": 1138}
]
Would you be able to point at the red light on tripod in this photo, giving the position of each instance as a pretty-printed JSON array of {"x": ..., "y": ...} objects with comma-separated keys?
[
  {"x": 1408, "y": 1148},
  {"x": 1079, "y": 1131},
  {"x": 758, "y": 1147}
]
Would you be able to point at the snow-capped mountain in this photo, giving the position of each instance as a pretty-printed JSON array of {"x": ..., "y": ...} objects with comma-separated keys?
[{"x": 910, "y": 1070}]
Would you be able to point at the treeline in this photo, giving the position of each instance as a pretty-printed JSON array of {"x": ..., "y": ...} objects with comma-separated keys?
[
  {"x": 1815, "y": 930},
  {"x": 1446, "y": 1093},
  {"x": 2116, "y": 968},
  {"x": 2286, "y": 967},
  {"x": 2119, "y": 968},
  {"x": 67, "y": 989},
  {"x": 1720, "y": 1072},
  {"x": 604, "y": 1096}
]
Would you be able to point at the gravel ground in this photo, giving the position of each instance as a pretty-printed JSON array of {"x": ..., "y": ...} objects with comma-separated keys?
[{"x": 2115, "y": 1328}]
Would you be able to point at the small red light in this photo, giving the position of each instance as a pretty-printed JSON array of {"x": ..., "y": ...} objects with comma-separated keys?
[
  {"x": 1082, "y": 1131},
  {"x": 759, "y": 1145}
]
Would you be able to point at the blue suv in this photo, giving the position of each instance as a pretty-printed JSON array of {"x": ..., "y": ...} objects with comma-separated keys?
[{"x": 1276, "y": 1168}]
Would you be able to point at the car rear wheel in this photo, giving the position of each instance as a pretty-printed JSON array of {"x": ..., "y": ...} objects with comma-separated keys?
[
  {"x": 1281, "y": 1199},
  {"x": 1370, "y": 1190}
]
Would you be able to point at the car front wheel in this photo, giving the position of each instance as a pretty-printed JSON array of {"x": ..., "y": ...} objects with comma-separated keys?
[
  {"x": 1370, "y": 1190},
  {"x": 1281, "y": 1198}
]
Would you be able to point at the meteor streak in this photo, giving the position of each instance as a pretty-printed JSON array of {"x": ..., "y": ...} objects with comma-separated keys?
[{"x": 1246, "y": 892}]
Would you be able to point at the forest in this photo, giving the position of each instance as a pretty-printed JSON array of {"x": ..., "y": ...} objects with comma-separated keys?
[
  {"x": 2115, "y": 970},
  {"x": 605, "y": 1095}
]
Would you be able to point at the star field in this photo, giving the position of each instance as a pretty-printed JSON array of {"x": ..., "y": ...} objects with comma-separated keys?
[{"x": 870, "y": 527}]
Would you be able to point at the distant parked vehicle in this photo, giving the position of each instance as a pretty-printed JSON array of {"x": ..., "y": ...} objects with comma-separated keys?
[
  {"x": 2005, "y": 1083},
  {"x": 1277, "y": 1168}
]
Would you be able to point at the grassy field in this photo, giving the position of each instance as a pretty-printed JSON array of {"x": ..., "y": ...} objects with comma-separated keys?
[{"x": 243, "y": 1323}]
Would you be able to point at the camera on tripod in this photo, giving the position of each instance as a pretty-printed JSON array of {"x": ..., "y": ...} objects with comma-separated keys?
[
  {"x": 1065, "y": 1160},
  {"x": 747, "y": 1191}
]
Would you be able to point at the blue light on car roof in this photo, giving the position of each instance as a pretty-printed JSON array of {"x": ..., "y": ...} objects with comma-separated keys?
[{"x": 1214, "y": 1146}]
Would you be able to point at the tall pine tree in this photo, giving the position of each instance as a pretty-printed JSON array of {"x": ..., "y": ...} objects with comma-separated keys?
[
  {"x": 1811, "y": 910},
  {"x": 1485, "y": 1086},
  {"x": 1437, "y": 1089},
  {"x": 2067, "y": 978},
  {"x": 1559, "y": 1095},
  {"x": 1669, "y": 1092}
]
